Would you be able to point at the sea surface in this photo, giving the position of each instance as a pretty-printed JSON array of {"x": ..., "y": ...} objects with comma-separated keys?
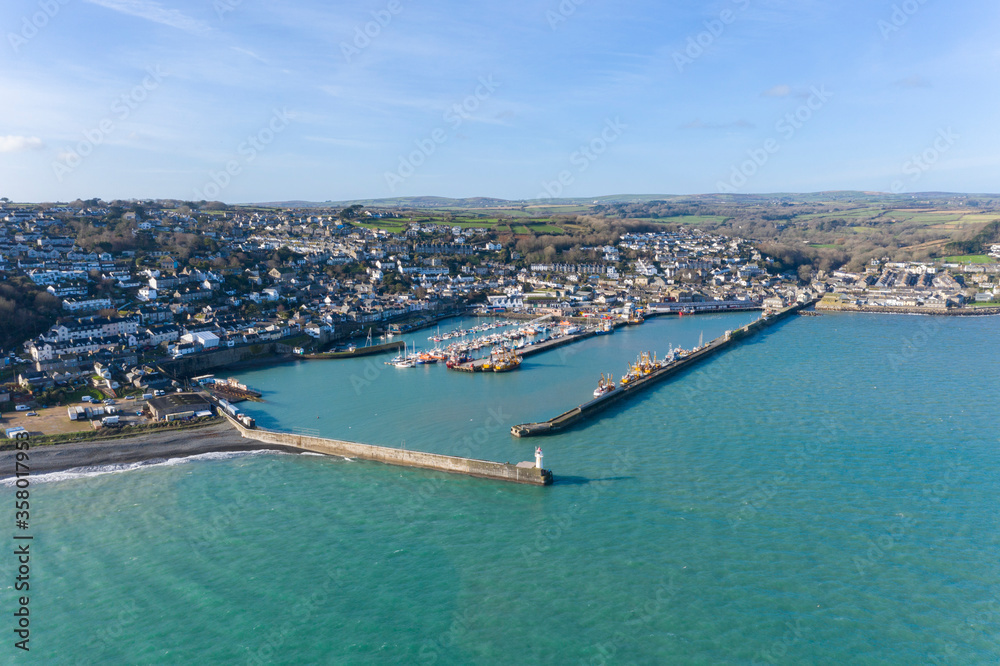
[{"x": 826, "y": 493}]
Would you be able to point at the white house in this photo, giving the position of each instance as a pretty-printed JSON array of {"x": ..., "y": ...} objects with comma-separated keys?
[
  {"x": 202, "y": 340},
  {"x": 83, "y": 305}
]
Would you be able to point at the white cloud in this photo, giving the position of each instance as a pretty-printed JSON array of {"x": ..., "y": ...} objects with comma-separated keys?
[
  {"x": 13, "y": 143},
  {"x": 781, "y": 90},
  {"x": 154, "y": 11},
  {"x": 249, "y": 53}
]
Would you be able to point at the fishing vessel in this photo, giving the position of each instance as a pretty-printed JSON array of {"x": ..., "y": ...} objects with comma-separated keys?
[
  {"x": 502, "y": 360},
  {"x": 457, "y": 359},
  {"x": 605, "y": 328},
  {"x": 604, "y": 386}
]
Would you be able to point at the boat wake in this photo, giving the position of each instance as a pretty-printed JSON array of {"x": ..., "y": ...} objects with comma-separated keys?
[{"x": 101, "y": 470}]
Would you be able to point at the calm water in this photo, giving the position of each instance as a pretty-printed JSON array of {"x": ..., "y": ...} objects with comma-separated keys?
[{"x": 826, "y": 493}]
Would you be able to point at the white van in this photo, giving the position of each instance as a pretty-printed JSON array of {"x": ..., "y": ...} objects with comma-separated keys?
[{"x": 22, "y": 408}]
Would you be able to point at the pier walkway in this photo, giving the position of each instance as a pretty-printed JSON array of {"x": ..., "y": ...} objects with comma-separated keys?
[
  {"x": 529, "y": 350},
  {"x": 525, "y": 472},
  {"x": 589, "y": 409}
]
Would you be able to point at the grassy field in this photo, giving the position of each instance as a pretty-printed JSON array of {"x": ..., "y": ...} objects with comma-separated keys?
[
  {"x": 971, "y": 259},
  {"x": 978, "y": 218},
  {"x": 391, "y": 227},
  {"x": 687, "y": 219},
  {"x": 931, "y": 218},
  {"x": 548, "y": 229},
  {"x": 843, "y": 214}
]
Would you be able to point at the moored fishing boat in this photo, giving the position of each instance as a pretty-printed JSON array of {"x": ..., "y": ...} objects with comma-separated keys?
[
  {"x": 502, "y": 360},
  {"x": 604, "y": 386},
  {"x": 605, "y": 328}
]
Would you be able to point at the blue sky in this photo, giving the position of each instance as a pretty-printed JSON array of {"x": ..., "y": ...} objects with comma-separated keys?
[{"x": 263, "y": 100}]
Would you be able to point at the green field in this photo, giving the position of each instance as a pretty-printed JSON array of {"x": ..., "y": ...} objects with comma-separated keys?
[
  {"x": 687, "y": 219},
  {"x": 548, "y": 229},
  {"x": 844, "y": 214},
  {"x": 391, "y": 227},
  {"x": 971, "y": 259}
]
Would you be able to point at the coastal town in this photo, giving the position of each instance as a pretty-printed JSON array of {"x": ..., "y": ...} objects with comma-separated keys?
[{"x": 133, "y": 286}]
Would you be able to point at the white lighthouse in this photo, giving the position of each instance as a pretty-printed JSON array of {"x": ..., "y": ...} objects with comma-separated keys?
[{"x": 538, "y": 457}]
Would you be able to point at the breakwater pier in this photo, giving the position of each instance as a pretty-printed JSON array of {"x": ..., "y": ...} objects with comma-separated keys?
[
  {"x": 529, "y": 350},
  {"x": 591, "y": 408},
  {"x": 356, "y": 352},
  {"x": 528, "y": 472}
]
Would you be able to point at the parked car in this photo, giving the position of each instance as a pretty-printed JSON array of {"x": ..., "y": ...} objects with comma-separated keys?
[
  {"x": 32, "y": 414},
  {"x": 130, "y": 397},
  {"x": 22, "y": 408}
]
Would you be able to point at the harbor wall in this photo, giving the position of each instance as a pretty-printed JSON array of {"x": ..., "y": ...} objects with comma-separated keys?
[
  {"x": 198, "y": 364},
  {"x": 434, "y": 461},
  {"x": 964, "y": 311},
  {"x": 358, "y": 351},
  {"x": 586, "y": 410}
]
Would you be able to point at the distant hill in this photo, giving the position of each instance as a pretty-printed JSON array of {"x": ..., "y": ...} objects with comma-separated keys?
[
  {"x": 978, "y": 244},
  {"x": 431, "y": 202}
]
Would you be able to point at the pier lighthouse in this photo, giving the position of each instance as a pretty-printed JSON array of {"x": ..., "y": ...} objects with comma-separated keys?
[{"x": 538, "y": 457}]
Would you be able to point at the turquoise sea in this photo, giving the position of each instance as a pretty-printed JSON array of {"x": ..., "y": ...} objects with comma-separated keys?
[{"x": 826, "y": 493}]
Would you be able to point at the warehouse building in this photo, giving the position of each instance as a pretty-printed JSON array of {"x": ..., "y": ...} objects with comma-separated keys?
[{"x": 178, "y": 406}]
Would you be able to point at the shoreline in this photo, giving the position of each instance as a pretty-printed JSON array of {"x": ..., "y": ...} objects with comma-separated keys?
[
  {"x": 216, "y": 438},
  {"x": 279, "y": 358},
  {"x": 892, "y": 309}
]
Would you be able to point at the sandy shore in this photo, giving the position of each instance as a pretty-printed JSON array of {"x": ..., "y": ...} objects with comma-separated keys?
[{"x": 167, "y": 444}]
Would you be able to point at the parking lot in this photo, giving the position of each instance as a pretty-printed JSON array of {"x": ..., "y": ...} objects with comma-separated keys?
[{"x": 55, "y": 421}]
